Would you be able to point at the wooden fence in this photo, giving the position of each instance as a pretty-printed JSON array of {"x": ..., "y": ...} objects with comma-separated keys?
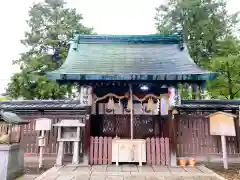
[
  {"x": 158, "y": 151},
  {"x": 193, "y": 137},
  {"x": 100, "y": 150},
  {"x": 29, "y": 136},
  {"x": 15, "y": 136}
]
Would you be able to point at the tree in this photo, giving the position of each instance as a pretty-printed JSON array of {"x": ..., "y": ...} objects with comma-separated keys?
[
  {"x": 206, "y": 27},
  {"x": 51, "y": 26},
  {"x": 203, "y": 22},
  {"x": 227, "y": 64}
]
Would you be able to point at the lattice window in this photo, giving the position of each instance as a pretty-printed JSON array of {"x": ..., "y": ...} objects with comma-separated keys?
[
  {"x": 144, "y": 126},
  {"x": 123, "y": 126},
  {"x": 108, "y": 128}
]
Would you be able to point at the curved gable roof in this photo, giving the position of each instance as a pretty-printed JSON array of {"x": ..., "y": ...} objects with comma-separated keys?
[{"x": 147, "y": 57}]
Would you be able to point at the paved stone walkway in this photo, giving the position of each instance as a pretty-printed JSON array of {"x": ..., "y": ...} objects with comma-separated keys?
[{"x": 125, "y": 172}]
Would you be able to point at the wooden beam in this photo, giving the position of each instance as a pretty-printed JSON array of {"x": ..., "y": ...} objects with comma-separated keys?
[
  {"x": 224, "y": 150},
  {"x": 86, "y": 137},
  {"x": 131, "y": 108},
  {"x": 173, "y": 138}
]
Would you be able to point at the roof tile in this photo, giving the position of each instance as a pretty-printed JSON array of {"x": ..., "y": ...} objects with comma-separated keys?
[{"x": 157, "y": 59}]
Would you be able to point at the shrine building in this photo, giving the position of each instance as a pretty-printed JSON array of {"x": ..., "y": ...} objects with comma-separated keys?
[{"x": 129, "y": 85}]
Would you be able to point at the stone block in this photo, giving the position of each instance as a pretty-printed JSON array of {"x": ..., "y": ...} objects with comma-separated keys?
[{"x": 12, "y": 161}]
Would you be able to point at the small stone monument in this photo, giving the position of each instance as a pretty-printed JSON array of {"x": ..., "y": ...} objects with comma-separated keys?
[
  {"x": 42, "y": 125},
  {"x": 69, "y": 131},
  {"x": 12, "y": 157}
]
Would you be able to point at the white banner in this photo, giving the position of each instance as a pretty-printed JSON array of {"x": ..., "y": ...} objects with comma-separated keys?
[
  {"x": 86, "y": 95},
  {"x": 174, "y": 96},
  {"x": 164, "y": 106}
]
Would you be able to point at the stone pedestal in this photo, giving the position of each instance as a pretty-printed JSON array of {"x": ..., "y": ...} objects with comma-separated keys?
[
  {"x": 11, "y": 161},
  {"x": 69, "y": 131}
]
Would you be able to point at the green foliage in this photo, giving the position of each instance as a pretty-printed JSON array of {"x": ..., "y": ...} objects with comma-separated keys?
[
  {"x": 227, "y": 64},
  {"x": 51, "y": 25},
  {"x": 208, "y": 30},
  {"x": 3, "y": 98},
  {"x": 204, "y": 22}
]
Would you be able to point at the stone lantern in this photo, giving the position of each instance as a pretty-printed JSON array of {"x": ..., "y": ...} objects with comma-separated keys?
[
  {"x": 12, "y": 157},
  {"x": 69, "y": 131}
]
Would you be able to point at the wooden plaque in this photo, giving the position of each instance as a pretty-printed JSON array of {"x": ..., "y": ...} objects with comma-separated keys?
[
  {"x": 222, "y": 124},
  {"x": 43, "y": 124}
]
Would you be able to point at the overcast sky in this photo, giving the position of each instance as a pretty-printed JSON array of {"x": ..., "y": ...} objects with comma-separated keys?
[{"x": 105, "y": 16}]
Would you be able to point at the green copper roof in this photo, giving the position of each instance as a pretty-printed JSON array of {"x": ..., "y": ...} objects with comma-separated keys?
[
  {"x": 145, "y": 57},
  {"x": 12, "y": 118}
]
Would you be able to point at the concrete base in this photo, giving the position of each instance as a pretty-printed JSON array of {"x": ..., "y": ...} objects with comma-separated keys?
[
  {"x": 85, "y": 161},
  {"x": 173, "y": 158},
  {"x": 11, "y": 161}
]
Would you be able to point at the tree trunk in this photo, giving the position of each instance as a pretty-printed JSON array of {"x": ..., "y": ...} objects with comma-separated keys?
[{"x": 230, "y": 86}]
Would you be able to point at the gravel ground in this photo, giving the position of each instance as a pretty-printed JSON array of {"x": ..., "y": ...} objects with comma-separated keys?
[{"x": 233, "y": 173}]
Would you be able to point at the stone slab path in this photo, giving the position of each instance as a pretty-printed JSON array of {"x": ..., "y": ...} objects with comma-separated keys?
[{"x": 125, "y": 172}]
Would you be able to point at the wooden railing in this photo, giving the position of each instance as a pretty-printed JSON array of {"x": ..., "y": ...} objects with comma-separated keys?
[
  {"x": 100, "y": 150},
  {"x": 158, "y": 151}
]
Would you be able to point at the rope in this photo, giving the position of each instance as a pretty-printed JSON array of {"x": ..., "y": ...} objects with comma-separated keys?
[{"x": 110, "y": 95}]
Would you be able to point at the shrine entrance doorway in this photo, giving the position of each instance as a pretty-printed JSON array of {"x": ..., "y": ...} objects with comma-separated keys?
[{"x": 153, "y": 129}]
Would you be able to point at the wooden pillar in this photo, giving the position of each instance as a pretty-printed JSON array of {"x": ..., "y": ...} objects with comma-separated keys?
[
  {"x": 86, "y": 140},
  {"x": 86, "y": 99},
  {"x": 175, "y": 99},
  {"x": 173, "y": 139},
  {"x": 224, "y": 150},
  {"x": 131, "y": 112}
]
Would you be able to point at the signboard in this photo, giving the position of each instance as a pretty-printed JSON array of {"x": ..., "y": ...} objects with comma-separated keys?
[
  {"x": 43, "y": 124},
  {"x": 222, "y": 124},
  {"x": 86, "y": 95}
]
